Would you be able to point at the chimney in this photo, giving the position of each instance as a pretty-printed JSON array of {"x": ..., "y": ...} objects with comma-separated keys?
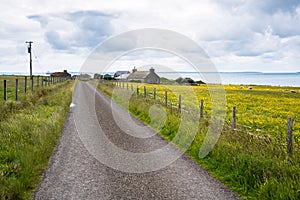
[
  {"x": 65, "y": 71},
  {"x": 134, "y": 70},
  {"x": 151, "y": 70}
]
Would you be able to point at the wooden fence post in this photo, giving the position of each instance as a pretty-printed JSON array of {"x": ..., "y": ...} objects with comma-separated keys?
[
  {"x": 131, "y": 87},
  {"x": 145, "y": 91},
  {"x": 42, "y": 81},
  {"x": 5, "y": 90},
  {"x": 137, "y": 90},
  {"x": 127, "y": 86},
  {"x": 179, "y": 103},
  {"x": 234, "y": 117},
  {"x": 289, "y": 137},
  {"x": 166, "y": 98},
  {"x": 154, "y": 93},
  {"x": 38, "y": 81},
  {"x": 25, "y": 89},
  {"x": 32, "y": 83},
  {"x": 17, "y": 89},
  {"x": 201, "y": 108}
]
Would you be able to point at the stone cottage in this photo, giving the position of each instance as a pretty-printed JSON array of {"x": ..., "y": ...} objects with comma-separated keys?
[{"x": 144, "y": 76}]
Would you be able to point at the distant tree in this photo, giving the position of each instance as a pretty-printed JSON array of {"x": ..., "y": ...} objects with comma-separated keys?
[
  {"x": 200, "y": 82},
  {"x": 188, "y": 81}
]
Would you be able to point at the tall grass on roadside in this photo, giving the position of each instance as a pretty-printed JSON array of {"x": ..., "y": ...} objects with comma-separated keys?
[
  {"x": 29, "y": 131},
  {"x": 255, "y": 168}
]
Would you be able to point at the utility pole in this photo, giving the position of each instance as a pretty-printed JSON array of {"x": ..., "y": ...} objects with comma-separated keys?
[{"x": 29, "y": 51}]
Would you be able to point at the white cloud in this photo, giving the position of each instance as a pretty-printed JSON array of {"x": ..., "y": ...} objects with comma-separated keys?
[{"x": 239, "y": 35}]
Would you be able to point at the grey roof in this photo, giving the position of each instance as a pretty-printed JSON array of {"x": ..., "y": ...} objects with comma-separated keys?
[
  {"x": 139, "y": 75},
  {"x": 118, "y": 73}
]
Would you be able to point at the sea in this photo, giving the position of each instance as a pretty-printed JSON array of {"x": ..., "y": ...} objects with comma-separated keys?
[
  {"x": 234, "y": 78},
  {"x": 241, "y": 78}
]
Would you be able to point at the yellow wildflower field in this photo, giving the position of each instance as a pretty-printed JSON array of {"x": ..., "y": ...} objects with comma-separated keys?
[{"x": 260, "y": 109}]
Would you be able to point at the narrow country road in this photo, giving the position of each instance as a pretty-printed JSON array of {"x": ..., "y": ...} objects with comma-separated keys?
[{"x": 76, "y": 172}]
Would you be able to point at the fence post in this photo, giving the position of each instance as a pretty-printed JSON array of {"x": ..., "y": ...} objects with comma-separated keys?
[
  {"x": 32, "y": 83},
  {"x": 126, "y": 86},
  {"x": 234, "y": 117},
  {"x": 17, "y": 89},
  {"x": 42, "y": 81},
  {"x": 137, "y": 90},
  {"x": 179, "y": 103},
  {"x": 154, "y": 93},
  {"x": 38, "y": 81},
  {"x": 201, "y": 108},
  {"x": 145, "y": 91},
  {"x": 131, "y": 87},
  {"x": 289, "y": 137},
  {"x": 166, "y": 98},
  {"x": 5, "y": 90},
  {"x": 25, "y": 89}
]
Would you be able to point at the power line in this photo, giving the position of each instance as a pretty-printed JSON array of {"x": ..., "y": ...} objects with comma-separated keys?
[{"x": 38, "y": 62}]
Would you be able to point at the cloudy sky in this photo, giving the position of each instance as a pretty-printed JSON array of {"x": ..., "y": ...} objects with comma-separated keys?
[{"x": 238, "y": 35}]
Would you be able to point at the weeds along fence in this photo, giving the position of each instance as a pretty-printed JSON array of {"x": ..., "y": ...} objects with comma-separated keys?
[
  {"x": 13, "y": 86},
  {"x": 162, "y": 97}
]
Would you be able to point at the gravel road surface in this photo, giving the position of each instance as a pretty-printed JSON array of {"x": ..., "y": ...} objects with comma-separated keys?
[{"x": 77, "y": 172}]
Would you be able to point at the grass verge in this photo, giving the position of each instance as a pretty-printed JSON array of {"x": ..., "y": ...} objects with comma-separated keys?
[
  {"x": 29, "y": 131},
  {"x": 254, "y": 168}
]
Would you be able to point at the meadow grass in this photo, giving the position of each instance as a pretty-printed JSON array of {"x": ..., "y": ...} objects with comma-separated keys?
[
  {"x": 255, "y": 168},
  {"x": 262, "y": 110},
  {"x": 29, "y": 131},
  {"x": 11, "y": 85}
]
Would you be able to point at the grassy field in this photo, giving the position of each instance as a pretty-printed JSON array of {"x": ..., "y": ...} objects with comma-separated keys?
[
  {"x": 29, "y": 131},
  {"x": 11, "y": 85},
  {"x": 255, "y": 168},
  {"x": 262, "y": 110}
]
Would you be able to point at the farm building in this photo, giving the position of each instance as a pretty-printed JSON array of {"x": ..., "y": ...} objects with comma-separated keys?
[
  {"x": 144, "y": 76},
  {"x": 119, "y": 73},
  {"x": 81, "y": 76},
  {"x": 122, "y": 77},
  {"x": 107, "y": 77},
  {"x": 61, "y": 74}
]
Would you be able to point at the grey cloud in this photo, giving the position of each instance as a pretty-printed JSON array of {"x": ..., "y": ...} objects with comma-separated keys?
[
  {"x": 273, "y": 6},
  {"x": 265, "y": 6},
  {"x": 94, "y": 26},
  {"x": 55, "y": 40},
  {"x": 91, "y": 28},
  {"x": 280, "y": 15},
  {"x": 43, "y": 20}
]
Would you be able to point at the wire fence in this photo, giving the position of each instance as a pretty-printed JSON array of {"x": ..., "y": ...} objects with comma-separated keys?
[
  {"x": 162, "y": 97},
  {"x": 12, "y": 87}
]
